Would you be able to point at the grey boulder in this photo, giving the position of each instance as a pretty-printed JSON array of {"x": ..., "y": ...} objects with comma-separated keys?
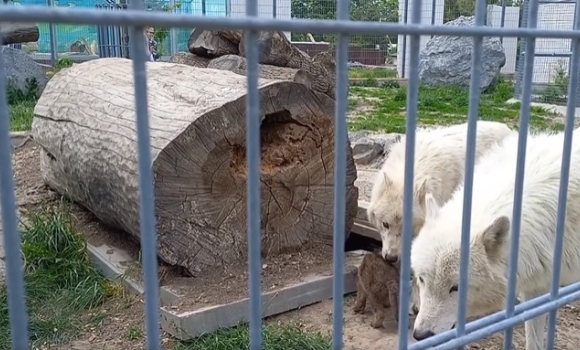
[
  {"x": 20, "y": 70},
  {"x": 370, "y": 150},
  {"x": 446, "y": 60}
]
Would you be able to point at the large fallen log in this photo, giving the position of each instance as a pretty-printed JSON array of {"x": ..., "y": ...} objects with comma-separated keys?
[
  {"x": 214, "y": 43},
  {"x": 197, "y": 128},
  {"x": 319, "y": 76},
  {"x": 16, "y": 33},
  {"x": 189, "y": 59},
  {"x": 239, "y": 65}
]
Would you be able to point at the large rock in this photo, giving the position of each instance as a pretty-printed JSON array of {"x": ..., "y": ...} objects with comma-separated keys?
[
  {"x": 370, "y": 150},
  {"x": 446, "y": 60},
  {"x": 20, "y": 69}
]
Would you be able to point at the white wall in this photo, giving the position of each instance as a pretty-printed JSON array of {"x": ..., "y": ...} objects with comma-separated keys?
[
  {"x": 510, "y": 45},
  {"x": 557, "y": 17},
  {"x": 426, "y": 15},
  {"x": 265, "y": 9}
]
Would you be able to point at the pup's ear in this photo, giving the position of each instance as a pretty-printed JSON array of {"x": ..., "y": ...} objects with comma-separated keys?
[
  {"x": 431, "y": 206},
  {"x": 495, "y": 236}
]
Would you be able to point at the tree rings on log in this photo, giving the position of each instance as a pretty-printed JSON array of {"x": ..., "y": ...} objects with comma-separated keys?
[{"x": 85, "y": 124}]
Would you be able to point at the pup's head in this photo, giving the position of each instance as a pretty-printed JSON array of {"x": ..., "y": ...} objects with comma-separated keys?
[
  {"x": 435, "y": 258},
  {"x": 385, "y": 213}
]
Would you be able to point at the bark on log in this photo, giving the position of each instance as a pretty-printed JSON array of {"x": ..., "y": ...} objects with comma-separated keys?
[
  {"x": 198, "y": 153},
  {"x": 239, "y": 65},
  {"x": 319, "y": 76},
  {"x": 189, "y": 59},
  {"x": 15, "y": 33},
  {"x": 214, "y": 43}
]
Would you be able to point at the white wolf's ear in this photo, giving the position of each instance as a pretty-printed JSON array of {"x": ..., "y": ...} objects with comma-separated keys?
[
  {"x": 421, "y": 192},
  {"x": 387, "y": 181},
  {"x": 495, "y": 236},
  {"x": 431, "y": 206}
]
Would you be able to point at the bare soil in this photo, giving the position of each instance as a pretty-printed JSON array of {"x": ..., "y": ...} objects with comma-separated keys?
[{"x": 119, "y": 323}]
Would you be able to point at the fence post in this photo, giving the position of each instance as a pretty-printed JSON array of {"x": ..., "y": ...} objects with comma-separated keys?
[
  {"x": 53, "y": 40},
  {"x": 173, "y": 32}
]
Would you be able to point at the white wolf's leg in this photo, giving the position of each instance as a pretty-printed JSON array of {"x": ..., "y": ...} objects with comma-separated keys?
[{"x": 535, "y": 334}]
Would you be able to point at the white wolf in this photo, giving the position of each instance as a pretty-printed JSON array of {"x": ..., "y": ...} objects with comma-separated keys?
[
  {"x": 435, "y": 253},
  {"x": 439, "y": 169}
]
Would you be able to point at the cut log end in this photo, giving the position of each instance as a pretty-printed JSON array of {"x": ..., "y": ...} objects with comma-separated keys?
[
  {"x": 297, "y": 153},
  {"x": 16, "y": 33}
]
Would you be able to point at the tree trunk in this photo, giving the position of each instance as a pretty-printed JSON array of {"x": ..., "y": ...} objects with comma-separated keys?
[
  {"x": 239, "y": 65},
  {"x": 198, "y": 141},
  {"x": 189, "y": 59},
  {"x": 214, "y": 43},
  {"x": 320, "y": 75},
  {"x": 15, "y": 33}
]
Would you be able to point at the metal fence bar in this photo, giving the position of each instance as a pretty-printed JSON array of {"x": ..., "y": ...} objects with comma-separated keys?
[
  {"x": 520, "y": 168},
  {"x": 564, "y": 178},
  {"x": 147, "y": 224},
  {"x": 473, "y": 114},
  {"x": 410, "y": 130},
  {"x": 160, "y": 18},
  {"x": 340, "y": 140},
  {"x": 253, "y": 121},
  {"x": 53, "y": 38},
  {"x": 14, "y": 276}
]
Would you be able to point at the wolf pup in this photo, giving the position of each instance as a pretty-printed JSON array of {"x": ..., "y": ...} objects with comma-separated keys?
[{"x": 378, "y": 283}]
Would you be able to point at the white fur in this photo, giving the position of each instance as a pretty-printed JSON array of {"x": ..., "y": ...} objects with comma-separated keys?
[
  {"x": 439, "y": 169},
  {"x": 435, "y": 253}
]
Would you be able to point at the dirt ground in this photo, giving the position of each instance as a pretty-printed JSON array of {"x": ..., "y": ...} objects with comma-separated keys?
[{"x": 119, "y": 323}]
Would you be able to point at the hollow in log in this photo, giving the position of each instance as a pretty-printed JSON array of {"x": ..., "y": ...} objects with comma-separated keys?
[
  {"x": 16, "y": 33},
  {"x": 239, "y": 65},
  {"x": 214, "y": 43},
  {"x": 189, "y": 59},
  {"x": 198, "y": 150}
]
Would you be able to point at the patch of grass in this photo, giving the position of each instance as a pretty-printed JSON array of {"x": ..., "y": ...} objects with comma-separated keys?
[
  {"x": 60, "y": 281},
  {"x": 275, "y": 337},
  {"x": 441, "y": 106},
  {"x": 136, "y": 333},
  {"x": 21, "y": 104},
  {"x": 371, "y": 73}
]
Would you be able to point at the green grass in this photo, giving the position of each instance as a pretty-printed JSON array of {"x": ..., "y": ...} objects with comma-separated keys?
[
  {"x": 21, "y": 105},
  {"x": 61, "y": 284},
  {"x": 386, "y": 108},
  {"x": 275, "y": 337},
  {"x": 371, "y": 73}
]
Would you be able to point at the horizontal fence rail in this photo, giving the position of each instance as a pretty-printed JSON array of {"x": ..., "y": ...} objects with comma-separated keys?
[{"x": 464, "y": 332}]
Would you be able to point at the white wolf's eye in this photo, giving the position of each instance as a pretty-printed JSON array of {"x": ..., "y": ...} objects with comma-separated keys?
[
  {"x": 421, "y": 280},
  {"x": 386, "y": 225},
  {"x": 454, "y": 288}
]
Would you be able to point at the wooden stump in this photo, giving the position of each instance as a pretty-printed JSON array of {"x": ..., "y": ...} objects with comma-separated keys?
[
  {"x": 239, "y": 65},
  {"x": 189, "y": 59},
  {"x": 214, "y": 43},
  {"x": 15, "y": 33},
  {"x": 85, "y": 124}
]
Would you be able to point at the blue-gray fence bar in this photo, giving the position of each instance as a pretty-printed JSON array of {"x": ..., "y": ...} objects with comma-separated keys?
[
  {"x": 520, "y": 168},
  {"x": 411, "y": 125},
  {"x": 53, "y": 38},
  {"x": 340, "y": 135},
  {"x": 147, "y": 222},
  {"x": 14, "y": 277},
  {"x": 136, "y": 18},
  {"x": 473, "y": 114},
  {"x": 253, "y": 118},
  {"x": 564, "y": 177}
]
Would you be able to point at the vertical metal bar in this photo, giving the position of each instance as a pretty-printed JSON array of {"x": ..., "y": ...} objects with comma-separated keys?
[
  {"x": 340, "y": 138},
  {"x": 228, "y": 8},
  {"x": 520, "y": 167},
  {"x": 274, "y": 8},
  {"x": 412, "y": 106},
  {"x": 474, "y": 95},
  {"x": 405, "y": 21},
  {"x": 502, "y": 20},
  {"x": 14, "y": 273},
  {"x": 253, "y": 121},
  {"x": 53, "y": 39},
  {"x": 203, "y": 7},
  {"x": 173, "y": 31},
  {"x": 147, "y": 199},
  {"x": 521, "y": 55},
  {"x": 564, "y": 178},
  {"x": 433, "y": 10}
]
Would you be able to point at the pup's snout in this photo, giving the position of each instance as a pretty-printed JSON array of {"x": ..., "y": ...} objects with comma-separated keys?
[
  {"x": 391, "y": 258},
  {"x": 422, "y": 334}
]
